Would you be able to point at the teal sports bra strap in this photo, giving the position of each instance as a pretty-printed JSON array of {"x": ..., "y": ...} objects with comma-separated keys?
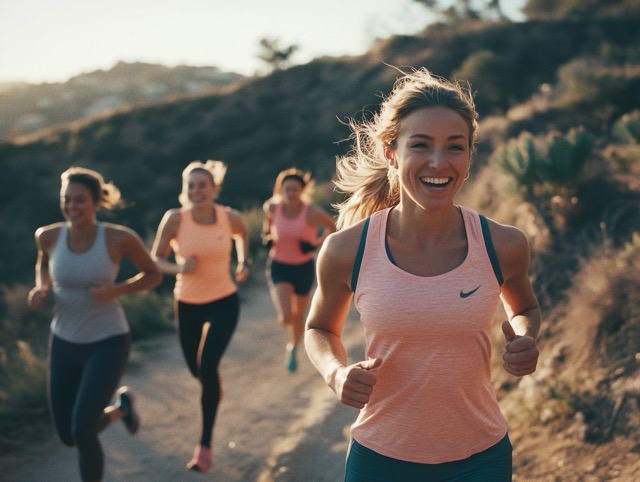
[
  {"x": 359, "y": 254},
  {"x": 493, "y": 257}
]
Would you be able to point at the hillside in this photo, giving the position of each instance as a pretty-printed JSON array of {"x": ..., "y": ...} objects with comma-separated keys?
[
  {"x": 577, "y": 418},
  {"x": 30, "y": 107}
]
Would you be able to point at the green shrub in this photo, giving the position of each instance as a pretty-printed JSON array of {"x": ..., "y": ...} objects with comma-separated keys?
[
  {"x": 148, "y": 313},
  {"x": 628, "y": 128},
  {"x": 559, "y": 161}
]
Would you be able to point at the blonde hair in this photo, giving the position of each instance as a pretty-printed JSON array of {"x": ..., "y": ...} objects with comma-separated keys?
[
  {"x": 216, "y": 170},
  {"x": 106, "y": 194},
  {"x": 304, "y": 178},
  {"x": 364, "y": 174}
]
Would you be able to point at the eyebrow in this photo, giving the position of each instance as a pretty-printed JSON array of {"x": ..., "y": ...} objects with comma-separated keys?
[{"x": 428, "y": 137}]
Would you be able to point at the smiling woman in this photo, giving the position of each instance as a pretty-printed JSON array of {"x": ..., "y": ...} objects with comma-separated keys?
[
  {"x": 207, "y": 307},
  {"x": 425, "y": 275},
  {"x": 89, "y": 345}
]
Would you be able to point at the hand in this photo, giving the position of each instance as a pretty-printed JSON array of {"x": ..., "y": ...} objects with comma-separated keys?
[
  {"x": 306, "y": 247},
  {"x": 520, "y": 355},
  {"x": 37, "y": 298},
  {"x": 103, "y": 290},
  {"x": 188, "y": 265},
  {"x": 267, "y": 242},
  {"x": 354, "y": 384},
  {"x": 242, "y": 273}
]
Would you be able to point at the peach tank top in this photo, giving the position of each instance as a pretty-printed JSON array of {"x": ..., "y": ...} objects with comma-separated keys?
[{"x": 211, "y": 245}]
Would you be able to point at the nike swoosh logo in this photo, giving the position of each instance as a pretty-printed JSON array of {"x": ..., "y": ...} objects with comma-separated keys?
[{"x": 468, "y": 293}]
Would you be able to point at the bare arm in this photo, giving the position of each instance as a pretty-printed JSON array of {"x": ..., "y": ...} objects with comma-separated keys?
[
  {"x": 45, "y": 238},
  {"x": 319, "y": 217},
  {"x": 267, "y": 219},
  {"x": 241, "y": 241},
  {"x": 519, "y": 301},
  {"x": 122, "y": 242},
  {"x": 167, "y": 230},
  {"x": 352, "y": 384}
]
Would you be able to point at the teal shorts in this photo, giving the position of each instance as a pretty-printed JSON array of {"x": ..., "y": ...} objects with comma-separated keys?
[{"x": 493, "y": 464}]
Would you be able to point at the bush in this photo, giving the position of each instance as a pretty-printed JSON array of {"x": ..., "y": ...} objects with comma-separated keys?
[{"x": 559, "y": 160}]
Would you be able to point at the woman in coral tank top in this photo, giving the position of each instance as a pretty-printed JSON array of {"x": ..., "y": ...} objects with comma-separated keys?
[
  {"x": 290, "y": 230},
  {"x": 202, "y": 234},
  {"x": 426, "y": 276}
]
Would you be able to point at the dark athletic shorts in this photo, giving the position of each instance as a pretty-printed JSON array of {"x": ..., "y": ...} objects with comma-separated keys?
[
  {"x": 493, "y": 464},
  {"x": 301, "y": 276}
]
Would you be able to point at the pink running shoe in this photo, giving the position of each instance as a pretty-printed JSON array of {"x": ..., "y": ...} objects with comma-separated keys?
[
  {"x": 201, "y": 460},
  {"x": 126, "y": 402}
]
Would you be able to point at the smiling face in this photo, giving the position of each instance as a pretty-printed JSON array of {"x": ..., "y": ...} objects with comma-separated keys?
[
  {"x": 432, "y": 154},
  {"x": 200, "y": 188},
  {"x": 291, "y": 190},
  {"x": 77, "y": 204}
]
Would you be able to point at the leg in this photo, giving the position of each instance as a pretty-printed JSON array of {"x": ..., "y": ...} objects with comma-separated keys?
[
  {"x": 105, "y": 363},
  {"x": 190, "y": 320},
  {"x": 65, "y": 371},
  {"x": 297, "y": 327},
  {"x": 223, "y": 316},
  {"x": 224, "y": 319}
]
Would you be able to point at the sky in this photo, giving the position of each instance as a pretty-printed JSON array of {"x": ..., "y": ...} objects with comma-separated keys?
[{"x": 54, "y": 40}]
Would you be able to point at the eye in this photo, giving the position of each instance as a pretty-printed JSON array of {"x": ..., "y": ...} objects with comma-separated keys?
[{"x": 419, "y": 145}]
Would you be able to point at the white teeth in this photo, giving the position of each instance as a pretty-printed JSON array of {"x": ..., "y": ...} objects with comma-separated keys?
[{"x": 435, "y": 180}]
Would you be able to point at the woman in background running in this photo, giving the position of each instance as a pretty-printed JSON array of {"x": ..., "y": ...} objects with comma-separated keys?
[
  {"x": 290, "y": 230},
  {"x": 78, "y": 260},
  {"x": 201, "y": 234}
]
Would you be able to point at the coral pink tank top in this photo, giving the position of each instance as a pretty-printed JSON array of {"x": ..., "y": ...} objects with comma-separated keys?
[
  {"x": 287, "y": 234},
  {"x": 211, "y": 245},
  {"x": 433, "y": 401}
]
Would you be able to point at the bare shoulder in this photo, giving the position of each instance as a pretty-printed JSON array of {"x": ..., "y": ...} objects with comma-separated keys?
[
  {"x": 512, "y": 248},
  {"x": 269, "y": 205},
  {"x": 231, "y": 212},
  {"x": 340, "y": 248},
  {"x": 118, "y": 232},
  {"x": 507, "y": 238},
  {"x": 46, "y": 236}
]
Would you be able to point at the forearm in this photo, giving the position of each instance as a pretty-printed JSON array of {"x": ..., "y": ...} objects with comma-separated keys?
[
  {"x": 527, "y": 323},
  {"x": 326, "y": 352},
  {"x": 142, "y": 281},
  {"x": 43, "y": 280},
  {"x": 168, "y": 267}
]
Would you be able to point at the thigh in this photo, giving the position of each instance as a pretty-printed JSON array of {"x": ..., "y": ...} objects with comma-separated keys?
[
  {"x": 223, "y": 320},
  {"x": 65, "y": 372},
  {"x": 190, "y": 320},
  {"x": 105, "y": 364},
  {"x": 303, "y": 277}
]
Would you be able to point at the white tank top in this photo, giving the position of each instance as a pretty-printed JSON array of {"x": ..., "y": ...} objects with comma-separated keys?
[{"x": 78, "y": 317}]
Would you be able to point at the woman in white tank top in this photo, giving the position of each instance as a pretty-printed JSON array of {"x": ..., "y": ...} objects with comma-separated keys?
[{"x": 89, "y": 345}]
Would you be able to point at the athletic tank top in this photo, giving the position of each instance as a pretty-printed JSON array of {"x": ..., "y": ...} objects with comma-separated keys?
[
  {"x": 78, "y": 316},
  {"x": 211, "y": 245},
  {"x": 433, "y": 401},
  {"x": 287, "y": 234}
]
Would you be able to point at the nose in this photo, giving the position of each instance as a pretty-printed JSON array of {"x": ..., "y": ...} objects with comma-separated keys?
[{"x": 436, "y": 159}]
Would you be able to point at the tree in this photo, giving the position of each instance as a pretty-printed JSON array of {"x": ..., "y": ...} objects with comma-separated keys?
[
  {"x": 278, "y": 58},
  {"x": 464, "y": 10}
]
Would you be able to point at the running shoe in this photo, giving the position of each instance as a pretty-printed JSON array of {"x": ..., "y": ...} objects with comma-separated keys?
[
  {"x": 127, "y": 404},
  {"x": 201, "y": 460}
]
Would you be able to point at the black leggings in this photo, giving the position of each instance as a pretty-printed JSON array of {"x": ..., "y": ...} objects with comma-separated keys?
[
  {"x": 223, "y": 317},
  {"x": 82, "y": 380}
]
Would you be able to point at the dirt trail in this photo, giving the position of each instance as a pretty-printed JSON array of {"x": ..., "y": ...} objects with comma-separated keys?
[{"x": 272, "y": 425}]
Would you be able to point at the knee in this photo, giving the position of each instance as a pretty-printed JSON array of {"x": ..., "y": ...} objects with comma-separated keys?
[
  {"x": 67, "y": 439},
  {"x": 83, "y": 433}
]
